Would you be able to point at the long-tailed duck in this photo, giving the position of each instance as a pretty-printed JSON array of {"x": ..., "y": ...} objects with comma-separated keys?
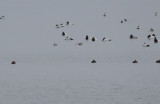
[
  {"x": 145, "y": 45},
  {"x": 105, "y": 39},
  {"x": 69, "y": 23},
  {"x": 57, "y": 26},
  {"x": 133, "y": 37},
  {"x": 138, "y": 27},
  {"x": 151, "y": 36},
  {"x": 67, "y": 38},
  {"x": 151, "y": 30},
  {"x": 80, "y": 43},
  {"x": 61, "y": 25}
]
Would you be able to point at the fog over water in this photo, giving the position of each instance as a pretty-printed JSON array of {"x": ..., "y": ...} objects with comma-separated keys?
[{"x": 64, "y": 74}]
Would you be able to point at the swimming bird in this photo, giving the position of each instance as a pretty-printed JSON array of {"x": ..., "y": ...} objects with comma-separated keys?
[
  {"x": 13, "y": 62},
  {"x": 155, "y": 14},
  {"x": 64, "y": 34},
  {"x": 125, "y": 20},
  {"x": 135, "y": 61},
  {"x": 67, "y": 38},
  {"x": 145, "y": 45},
  {"x": 2, "y": 17},
  {"x": 133, "y": 37},
  {"x": 151, "y": 30},
  {"x": 57, "y": 26},
  {"x": 67, "y": 23},
  {"x": 93, "y": 61},
  {"x": 104, "y": 14},
  {"x": 87, "y": 37},
  {"x": 61, "y": 25},
  {"x": 154, "y": 35},
  {"x": 158, "y": 61},
  {"x": 94, "y": 39},
  {"x": 55, "y": 44},
  {"x": 80, "y": 43},
  {"x": 151, "y": 36},
  {"x": 156, "y": 40},
  {"x": 138, "y": 27},
  {"x": 105, "y": 39}
]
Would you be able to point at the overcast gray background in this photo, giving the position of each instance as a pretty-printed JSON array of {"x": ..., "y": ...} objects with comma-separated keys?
[{"x": 45, "y": 74}]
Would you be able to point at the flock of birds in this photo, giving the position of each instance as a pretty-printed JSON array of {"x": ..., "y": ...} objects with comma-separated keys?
[
  {"x": 150, "y": 37},
  {"x": 104, "y": 39},
  {"x": 93, "y": 39},
  {"x": 64, "y": 34}
]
